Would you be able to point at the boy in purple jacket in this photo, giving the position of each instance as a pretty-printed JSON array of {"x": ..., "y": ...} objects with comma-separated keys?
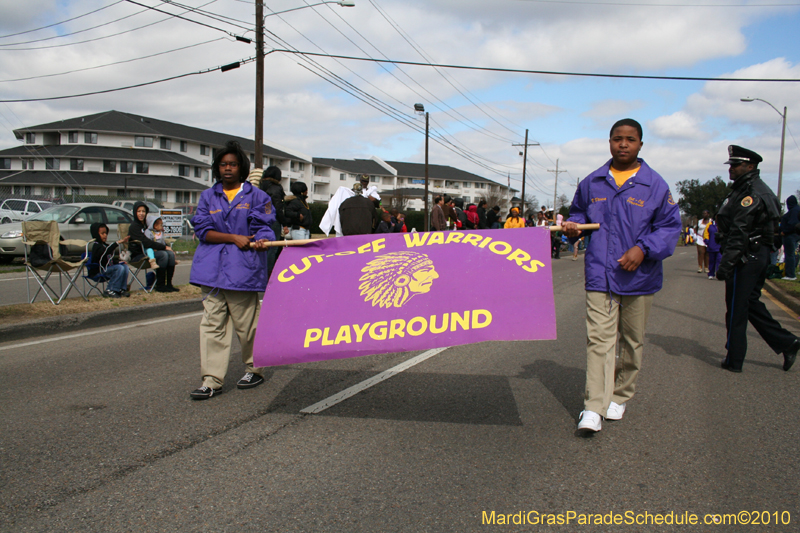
[
  {"x": 232, "y": 223},
  {"x": 639, "y": 227}
]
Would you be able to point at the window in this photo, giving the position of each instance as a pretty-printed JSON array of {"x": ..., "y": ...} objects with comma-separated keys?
[
  {"x": 466, "y": 200},
  {"x": 52, "y": 163},
  {"x": 45, "y": 191},
  {"x": 126, "y": 166},
  {"x": 5, "y": 163},
  {"x": 59, "y": 192},
  {"x": 142, "y": 168},
  {"x": 183, "y": 170},
  {"x": 252, "y": 159},
  {"x": 77, "y": 191},
  {"x": 342, "y": 177},
  {"x": 205, "y": 175},
  {"x": 301, "y": 167},
  {"x": 109, "y": 166},
  {"x": 117, "y": 216},
  {"x": 27, "y": 164},
  {"x": 30, "y": 138},
  {"x": 121, "y": 193},
  {"x": 196, "y": 172},
  {"x": 194, "y": 197},
  {"x": 166, "y": 144},
  {"x": 374, "y": 179},
  {"x": 72, "y": 137},
  {"x": 14, "y": 205},
  {"x": 293, "y": 166},
  {"x": 184, "y": 146},
  {"x": 400, "y": 181},
  {"x": 33, "y": 207},
  {"x": 480, "y": 185},
  {"x": 204, "y": 149},
  {"x": 142, "y": 141},
  {"x": 157, "y": 195},
  {"x": 76, "y": 164},
  {"x": 266, "y": 162},
  {"x": 466, "y": 184},
  {"x": 90, "y": 137}
]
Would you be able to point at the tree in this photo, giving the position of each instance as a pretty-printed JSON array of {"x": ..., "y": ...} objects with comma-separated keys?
[
  {"x": 696, "y": 198},
  {"x": 495, "y": 199},
  {"x": 531, "y": 203}
]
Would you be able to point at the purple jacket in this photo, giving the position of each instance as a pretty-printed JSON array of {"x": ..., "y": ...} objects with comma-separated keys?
[
  {"x": 711, "y": 243},
  {"x": 640, "y": 213},
  {"x": 225, "y": 266}
]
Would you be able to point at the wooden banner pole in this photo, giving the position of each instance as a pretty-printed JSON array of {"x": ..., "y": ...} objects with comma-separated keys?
[{"x": 272, "y": 244}]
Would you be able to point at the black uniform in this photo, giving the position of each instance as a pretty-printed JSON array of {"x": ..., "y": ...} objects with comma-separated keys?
[{"x": 746, "y": 223}]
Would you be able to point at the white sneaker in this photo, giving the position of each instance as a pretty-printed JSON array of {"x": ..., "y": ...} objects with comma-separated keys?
[
  {"x": 789, "y": 279},
  {"x": 699, "y": 270},
  {"x": 615, "y": 411},
  {"x": 590, "y": 421}
]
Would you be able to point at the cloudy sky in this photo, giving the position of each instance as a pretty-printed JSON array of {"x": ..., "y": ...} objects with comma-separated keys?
[{"x": 327, "y": 107}]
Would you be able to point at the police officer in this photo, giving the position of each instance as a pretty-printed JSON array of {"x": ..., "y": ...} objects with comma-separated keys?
[{"x": 746, "y": 223}]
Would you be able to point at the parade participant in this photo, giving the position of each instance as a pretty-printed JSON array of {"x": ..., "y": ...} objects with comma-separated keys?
[
  {"x": 232, "y": 223},
  {"x": 789, "y": 237},
  {"x": 702, "y": 256},
  {"x": 745, "y": 224},
  {"x": 639, "y": 228},
  {"x": 712, "y": 249}
]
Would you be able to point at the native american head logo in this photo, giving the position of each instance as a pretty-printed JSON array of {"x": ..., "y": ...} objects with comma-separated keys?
[{"x": 391, "y": 280}]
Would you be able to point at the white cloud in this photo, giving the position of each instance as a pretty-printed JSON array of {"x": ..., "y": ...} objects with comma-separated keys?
[{"x": 679, "y": 126}]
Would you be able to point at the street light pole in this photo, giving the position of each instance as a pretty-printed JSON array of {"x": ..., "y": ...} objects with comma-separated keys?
[
  {"x": 524, "y": 155},
  {"x": 783, "y": 140},
  {"x": 419, "y": 108}
]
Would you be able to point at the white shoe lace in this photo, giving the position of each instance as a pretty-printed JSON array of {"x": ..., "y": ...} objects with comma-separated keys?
[{"x": 248, "y": 377}]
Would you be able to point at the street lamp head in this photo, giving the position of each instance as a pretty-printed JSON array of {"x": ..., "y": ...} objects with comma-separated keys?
[
  {"x": 346, "y": 3},
  {"x": 748, "y": 99},
  {"x": 419, "y": 108}
]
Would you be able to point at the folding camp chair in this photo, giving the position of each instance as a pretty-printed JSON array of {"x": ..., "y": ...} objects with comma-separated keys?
[
  {"x": 135, "y": 266},
  {"x": 46, "y": 260},
  {"x": 96, "y": 282}
]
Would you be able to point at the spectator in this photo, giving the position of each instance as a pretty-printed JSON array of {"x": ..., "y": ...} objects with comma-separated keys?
[
  {"x": 514, "y": 220},
  {"x": 461, "y": 217},
  {"x": 529, "y": 221},
  {"x": 386, "y": 225},
  {"x": 450, "y": 212},
  {"x": 297, "y": 213},
  {"x": 473, "y": 219},
  {"x": 712, "y": 249},
  {"x": 357, "y": 214},
  {"x": 401, "y": 222},
  {"x": 229, "y": 268},
  {"x": 483, "y": 223},
  {"x": 271, "y": 184},
  {"x": 493, "y": 217},
  {"x": 789, "y": 235},
  {"x": 104, "y": 261},
  {"x": 541, "y": 220},
  {"x": 165, "y": 257},
  {"x": 438, "y": 220}
]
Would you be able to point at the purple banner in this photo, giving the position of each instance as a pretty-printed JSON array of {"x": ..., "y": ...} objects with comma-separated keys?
[{"x": 381, "y": 293}]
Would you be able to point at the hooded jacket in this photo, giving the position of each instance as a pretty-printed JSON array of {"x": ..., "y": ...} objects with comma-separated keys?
[
  {"x": 472, "y": 217},
  {"x": 640, "y": 213},
  {"x": 137, "y": 233},
  {"x": 225, "y": 265},
  {"x": 792, "y": 216},
  {"x": 150, "y": 232},
  {"x": 102, "y": 252}
]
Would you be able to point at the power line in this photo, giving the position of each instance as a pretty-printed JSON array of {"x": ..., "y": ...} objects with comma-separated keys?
[
  {"x": 62, "y": 22},
  {"x": 144, "y": 84},
  {"x": 543, "y": 72},
  {"x": 114, "y": 63},
  {"x": 183, "y": 18},
  {"x": 655, "y": 5}
]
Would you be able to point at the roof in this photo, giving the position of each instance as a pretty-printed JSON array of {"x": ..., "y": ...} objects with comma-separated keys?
[
  {"x": 120, "y": 122},
  {"x": 410, "y": 192},
  {"x": 354, "y": 166},
  {"x": 439, "y": 172},
  {"x": 60, "y": 178},
  {"x": 91, "y": 151}
]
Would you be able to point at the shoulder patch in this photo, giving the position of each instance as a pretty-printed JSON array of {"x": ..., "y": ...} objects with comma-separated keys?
[
  {"x": 670, "y": 201},
  {"x": 747, "y": 201}
]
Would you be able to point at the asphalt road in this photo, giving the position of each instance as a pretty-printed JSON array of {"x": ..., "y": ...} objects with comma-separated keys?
[
  {"x": 14, "y": 285},
  {"x": 99, "y": 433}
]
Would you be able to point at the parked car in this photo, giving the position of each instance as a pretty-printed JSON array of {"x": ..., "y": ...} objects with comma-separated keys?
[
  {"x": 128, "y": 205},
  {"x": 74, "y": 221},
  {"x": 15, "y": 209}
]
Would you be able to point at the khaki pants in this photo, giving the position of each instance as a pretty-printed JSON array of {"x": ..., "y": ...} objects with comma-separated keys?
[
  {"x": 226, "y": 312},
  {"x": 607, "y": 315}
]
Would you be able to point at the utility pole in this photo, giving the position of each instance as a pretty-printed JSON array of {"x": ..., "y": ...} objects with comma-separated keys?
[
  {"x": 259, "y": 135},
  {"x": 555, "y": 193},
  {"x": 524, "y": 168}
]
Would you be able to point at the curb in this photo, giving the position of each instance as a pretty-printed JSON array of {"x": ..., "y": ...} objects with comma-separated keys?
[
  {"x": 786, "y": 299},
  {"x": 81, "y": 321}
]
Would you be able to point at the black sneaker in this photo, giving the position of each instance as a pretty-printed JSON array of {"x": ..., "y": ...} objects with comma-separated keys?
[
  {"x": 204, "y": 393},
  {"x": 126, "y": 294},
  {"x": 790, "y": 355},
  {"x": 250, "y": 380},
  {"x": 110, "y": 294},
  {"x": 172, "y": 288}
]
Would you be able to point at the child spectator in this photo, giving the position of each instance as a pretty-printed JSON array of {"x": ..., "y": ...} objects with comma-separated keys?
[
  {"x": 155, "y": 232},
  {"x": 386, "y": 225},
  {"x": 401, "y": 221},
  {"x": 104, "y": 261}
]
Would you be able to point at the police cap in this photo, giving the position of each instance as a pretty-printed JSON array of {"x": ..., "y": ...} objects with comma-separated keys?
[{"x": 737, "y": 154}]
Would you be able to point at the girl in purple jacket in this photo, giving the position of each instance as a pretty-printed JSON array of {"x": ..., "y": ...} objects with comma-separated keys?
[{"x": 233, "y": 223}]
